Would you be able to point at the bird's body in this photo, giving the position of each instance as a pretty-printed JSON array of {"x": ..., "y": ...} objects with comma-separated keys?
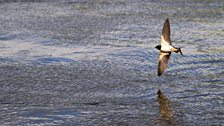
[{"x": 165, "y": 48}]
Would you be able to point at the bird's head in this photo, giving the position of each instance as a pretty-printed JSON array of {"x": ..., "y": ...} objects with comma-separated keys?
[{"x": 158, "y": 47}]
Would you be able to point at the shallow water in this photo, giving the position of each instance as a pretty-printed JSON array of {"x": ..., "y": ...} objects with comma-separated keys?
[{"x": 94, "y": 63}]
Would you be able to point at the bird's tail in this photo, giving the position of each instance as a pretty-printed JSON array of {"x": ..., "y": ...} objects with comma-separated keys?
[{"x": 178, "y": 50}]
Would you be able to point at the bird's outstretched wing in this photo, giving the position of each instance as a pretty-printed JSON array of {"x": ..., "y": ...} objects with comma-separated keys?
[
  {"x": 163, "y": 62},
  {"x": 165, "y": 37}
]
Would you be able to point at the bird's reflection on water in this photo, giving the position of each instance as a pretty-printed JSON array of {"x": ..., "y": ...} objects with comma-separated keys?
[
  {"x": 166, "y": 115},
  {"x": 164, "y": 106}
]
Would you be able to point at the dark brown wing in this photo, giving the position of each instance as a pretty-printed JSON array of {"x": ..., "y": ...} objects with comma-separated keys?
[
  {"x": 163, "y": 62},
  {"x": 166, "y": 31}
]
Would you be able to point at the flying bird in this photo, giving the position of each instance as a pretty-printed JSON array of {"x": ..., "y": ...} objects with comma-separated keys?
[{"x": 165, "y": 48}]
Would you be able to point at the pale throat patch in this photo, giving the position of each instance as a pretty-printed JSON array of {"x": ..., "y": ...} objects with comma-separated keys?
[{"x": 165, "y": 46}]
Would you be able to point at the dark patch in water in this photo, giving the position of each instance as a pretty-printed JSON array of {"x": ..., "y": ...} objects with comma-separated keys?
[
  {"x": 53, "y": 60},
  {"x": 86, "y": 52},
  {"x": 6, "y": 60},
  {"x": 92, "y": 103},
  {"x": 5, "y": 37}
]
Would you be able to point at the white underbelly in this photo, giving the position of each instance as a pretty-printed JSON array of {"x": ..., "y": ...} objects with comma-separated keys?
[{"x": 166, "y": 48}]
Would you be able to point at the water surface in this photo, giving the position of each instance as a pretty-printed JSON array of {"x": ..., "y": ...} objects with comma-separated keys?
[{"x": 94, "y": 63}]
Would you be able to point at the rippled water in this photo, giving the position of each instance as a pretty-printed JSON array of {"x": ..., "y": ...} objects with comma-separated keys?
[{"x": 94, "y": 63}]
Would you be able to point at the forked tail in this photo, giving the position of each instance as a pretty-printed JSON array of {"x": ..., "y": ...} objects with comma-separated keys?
[{"x": 179, "y": 50}]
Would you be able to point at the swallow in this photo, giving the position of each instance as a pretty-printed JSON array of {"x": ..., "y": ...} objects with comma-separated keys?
[{"x": 165, "y": 48}]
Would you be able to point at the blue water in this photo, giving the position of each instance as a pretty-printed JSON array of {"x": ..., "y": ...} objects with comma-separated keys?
[{"x": 94, "y": 63}]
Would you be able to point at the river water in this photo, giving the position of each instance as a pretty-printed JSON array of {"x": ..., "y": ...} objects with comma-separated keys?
[{"x": 93, "y": 62}]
